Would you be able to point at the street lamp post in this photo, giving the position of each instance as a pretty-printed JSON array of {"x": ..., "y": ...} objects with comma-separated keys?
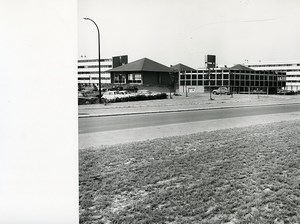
[{"x": 98, "y": 57}]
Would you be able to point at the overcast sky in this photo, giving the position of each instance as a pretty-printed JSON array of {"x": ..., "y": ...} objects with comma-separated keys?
[{"x": 184, "y": 31}]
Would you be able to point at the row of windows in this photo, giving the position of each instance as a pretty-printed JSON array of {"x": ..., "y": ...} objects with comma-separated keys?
[
  {"x": 226, "y": 82},
  {"x": 274, "y": 65},
  {"x": 288, "y": 70},
  {"x": 205, "y": 76},
  {"x": 95, "y": 66},
  {"x": 206, "y": 71},
  {"x": 237, "y": 71},
  {"x": 93, "y": 78},
  {"x": 132, "y": 78},
  {"x": 93, "y": 72},
  {"x": 232, "y": 76},
  {"x": 94, "y": 60}
]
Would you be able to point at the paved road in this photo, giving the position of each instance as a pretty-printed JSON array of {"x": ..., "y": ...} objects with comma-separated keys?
[{"x": 103, "y": 124}]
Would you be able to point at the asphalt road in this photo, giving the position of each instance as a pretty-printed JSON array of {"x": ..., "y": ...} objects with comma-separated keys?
[{"x": 102, "y": 124}]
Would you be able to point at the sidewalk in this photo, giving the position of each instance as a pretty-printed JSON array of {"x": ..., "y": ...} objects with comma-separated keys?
[{"x": 180, "y": 103}]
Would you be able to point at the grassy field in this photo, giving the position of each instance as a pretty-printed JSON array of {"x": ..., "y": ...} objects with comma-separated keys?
[{"x": 241, "y": 175}]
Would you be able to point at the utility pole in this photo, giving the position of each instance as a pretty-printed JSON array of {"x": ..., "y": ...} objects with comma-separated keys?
[
  {"x": 186, "y": 93},
  {"x": 209, "y": 84}
]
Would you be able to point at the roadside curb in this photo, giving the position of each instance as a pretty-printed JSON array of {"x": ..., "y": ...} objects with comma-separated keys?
[{"x": 179, "y": 110}]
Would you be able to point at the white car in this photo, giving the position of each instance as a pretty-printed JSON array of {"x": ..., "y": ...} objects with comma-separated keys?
[
  {"x": 221, "y": 90},
  {"x": 146, "y": 92},
  {"x": 111, "y": 95},
  {"x": 125, "y": 93}
]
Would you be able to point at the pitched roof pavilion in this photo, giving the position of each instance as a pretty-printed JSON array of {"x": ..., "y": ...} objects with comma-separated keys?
[{"x": 143, "y": 64}]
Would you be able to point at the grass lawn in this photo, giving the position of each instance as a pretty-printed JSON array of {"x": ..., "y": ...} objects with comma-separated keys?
[{"x": 240, "y": 175}]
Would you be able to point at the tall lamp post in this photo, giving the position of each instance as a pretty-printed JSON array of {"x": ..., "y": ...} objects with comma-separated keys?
[{"x": 98, "y": 57}]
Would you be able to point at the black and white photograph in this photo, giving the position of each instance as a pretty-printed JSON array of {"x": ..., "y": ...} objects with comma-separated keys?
[
  {"x": 195, "y": 118},
  {"x": 150, "y": 111}
]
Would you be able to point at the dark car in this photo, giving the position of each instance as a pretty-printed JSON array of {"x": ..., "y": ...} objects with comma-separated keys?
[
  {"x": 285, "y": 92},
  {"x": 86, "y": 99}
]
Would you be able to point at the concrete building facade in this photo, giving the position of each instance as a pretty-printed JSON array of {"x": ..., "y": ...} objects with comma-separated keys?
[
  {"x": 88, "y": 69},
  {"x": 292, "y": 70},
  {"x": 239, "y": 79}
]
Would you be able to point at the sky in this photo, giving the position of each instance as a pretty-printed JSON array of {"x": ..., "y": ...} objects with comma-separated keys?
[{"x": 184, "y": 31}]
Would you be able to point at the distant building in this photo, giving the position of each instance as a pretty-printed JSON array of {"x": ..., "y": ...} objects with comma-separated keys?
[
  {"x": 119, "y": 61},
  {"x": 292, "y": 70},
  {"x": 239, "y": 78},
  {"x": 141, "y": 72},
  {"x": 88, "y": 69}
]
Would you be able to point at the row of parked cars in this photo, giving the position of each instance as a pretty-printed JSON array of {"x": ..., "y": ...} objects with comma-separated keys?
[{"x": 112, "y": 96}]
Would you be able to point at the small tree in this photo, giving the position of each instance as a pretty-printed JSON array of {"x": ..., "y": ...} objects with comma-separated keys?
[{"x": 173, "y": 80}]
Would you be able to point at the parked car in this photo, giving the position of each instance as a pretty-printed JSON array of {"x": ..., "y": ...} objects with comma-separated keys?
[
  {"x": 83, "y": 98},
  {"x": 112, "y": 96},
  {"x": 285, "y": 92},
  {"x": 146, "y": 92},
  {"x": 221, "y": 90},
  {"x": 125, "y": 93}
]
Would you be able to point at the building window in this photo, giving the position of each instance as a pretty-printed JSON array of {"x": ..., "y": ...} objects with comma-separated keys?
[
  {"x": 188, "y": 76},
  {"x": 200, "y": 76},
  {"x": 200, "y": 83},
  {"x": 120, "y": 78},
  {"x": 212, "y": 82},
  {"x": 225, "y": 82},
  {"x": 225, "y": 76},
  {"x": 219, "y": 76},
  {"x": 134, "y": 78},
  {"x": 194, "y": 83},
  {"x": 188, "y": 82},
  {"x": 194, "y": 76},
  {"x": 182, "y": 76}
]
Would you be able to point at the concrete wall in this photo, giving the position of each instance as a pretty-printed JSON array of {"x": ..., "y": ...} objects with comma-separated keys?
[
  {"x": 151, "y": 78},
  {"x": 190, "y": 89}
]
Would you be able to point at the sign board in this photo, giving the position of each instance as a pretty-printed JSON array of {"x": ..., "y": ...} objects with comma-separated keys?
[{"x": 210, "y": 61}]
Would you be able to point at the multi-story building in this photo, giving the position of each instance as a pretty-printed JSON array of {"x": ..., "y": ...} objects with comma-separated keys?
[
  {"x": 238, "y": 78},
  {"x": 292, "y": 70},
  {"x": 88, "y": 69}
]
